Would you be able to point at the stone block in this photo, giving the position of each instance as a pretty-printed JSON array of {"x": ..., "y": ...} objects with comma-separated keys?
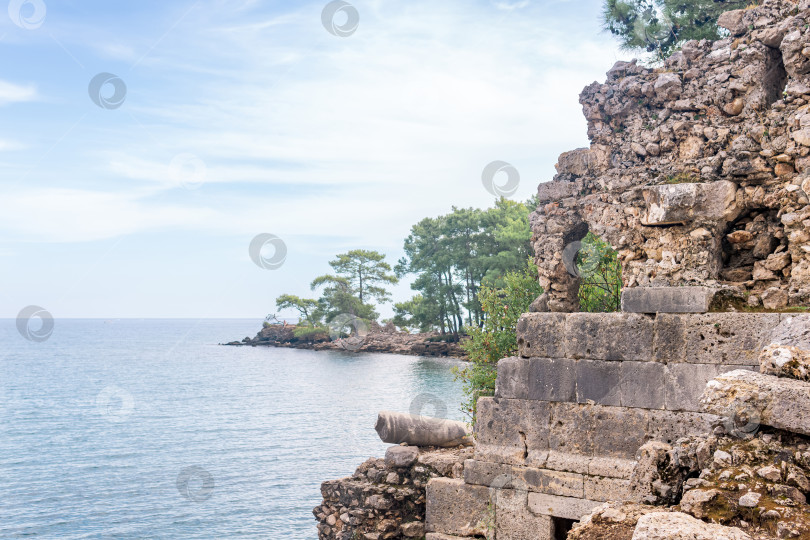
[
  {"x": 667, "y": 299},
  {"x": 793, "y": 331},
  {"x": 570, "y": 429},
  {"x": 563, "y": 461},
  {"x": 483, "y": 473},
  {"x": 713, "y": 338},
  {"x": 564, "y": 507},
  {"x": 685, "y": 384},
  {"x": 670, "y": 204},
  {"x": 512, "y": 431},
  {"x": 548, "y": 481},
  {"x": 599, "y": 382},
  {"x": 669, "y": 426},
  {"x": 513, "y": 378},
  {"x": 456, "y": 508},
  {"x": 440, "y": 536},
  {"x": 618, "y": 432},
  {"x": 609, "y": 336},
  {"x": 642, "y": 385},
  {"x": 771, "y": 401},
  {"x": 552, "y": 379},
  {"x": 514, "y": 521},
  {"x": 598, "y": 488},
  {"x": 541, "y": 335},
  {"x": 596, "y": 430},
  {"x": 612, "y": 467}
]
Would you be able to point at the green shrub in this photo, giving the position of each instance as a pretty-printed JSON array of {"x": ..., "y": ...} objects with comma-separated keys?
[
  {"x": 496, "y": 338},
  {"x": 601, "y": 274}
]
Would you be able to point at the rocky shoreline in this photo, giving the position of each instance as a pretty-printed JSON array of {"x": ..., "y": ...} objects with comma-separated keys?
[{"x": 379, "y": 339}]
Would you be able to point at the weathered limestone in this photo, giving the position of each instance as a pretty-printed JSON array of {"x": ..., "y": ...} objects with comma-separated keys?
[
  {"x": 667, "y": 299},
  {"x": 785, "y": 361},
  {"x": 401, "y": 456},
  {"x": 456, "y": 508},
  {"x": 397, "y": 428},
  {"x": 671, "y": 204},
  {"x": 776, "y": 402},
  {"x": 680, "y": 526},
  {"x": 565, "y": 507}
]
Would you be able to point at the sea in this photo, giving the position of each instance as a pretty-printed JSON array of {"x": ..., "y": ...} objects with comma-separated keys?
[{"x": 147, "y": 428}]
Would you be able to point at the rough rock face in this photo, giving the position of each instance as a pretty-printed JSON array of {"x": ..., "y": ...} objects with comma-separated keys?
[
  {"x": 757, "y": 484},
  {"x": 766, "y": 399},
  {"x": 698, "y": 172},
  {"x": 385, "y": 498}
]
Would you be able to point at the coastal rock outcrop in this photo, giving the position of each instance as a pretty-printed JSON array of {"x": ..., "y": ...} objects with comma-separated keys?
[{"x": 379, "y": 339}]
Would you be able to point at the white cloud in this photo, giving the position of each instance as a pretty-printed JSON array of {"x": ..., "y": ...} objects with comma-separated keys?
[
  {"x": 8, "y": 146},
  {"x": 15, "y": 93},
  {"x": 363, "y": 135},
  {"x": 509, "y": 6}
]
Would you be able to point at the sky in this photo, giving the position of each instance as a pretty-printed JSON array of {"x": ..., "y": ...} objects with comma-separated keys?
[{"x": 144, "y": 145}]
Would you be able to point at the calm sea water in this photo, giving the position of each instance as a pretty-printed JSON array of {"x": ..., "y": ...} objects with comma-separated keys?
[{"x": 149, "y": 429}]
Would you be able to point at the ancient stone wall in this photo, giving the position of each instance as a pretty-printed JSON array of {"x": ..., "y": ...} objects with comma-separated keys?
[
  {"x": 570, "y": 413},
  {"x": 698, "y": 172}
]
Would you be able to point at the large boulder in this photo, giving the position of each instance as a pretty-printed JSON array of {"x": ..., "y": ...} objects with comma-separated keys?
[
  {"x": 680, "y": 526},
  {"x": 765, "y": 399}
]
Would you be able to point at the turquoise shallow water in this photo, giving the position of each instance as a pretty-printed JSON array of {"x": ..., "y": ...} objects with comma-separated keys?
[{"x": 149, "y": 429}]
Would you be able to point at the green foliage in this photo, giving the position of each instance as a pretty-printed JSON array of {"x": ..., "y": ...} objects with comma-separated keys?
[
  {"x": 497, "y": 337},
  {"x": 683, "y": 178},
  {"x": 659, "y": 27},
  {"x": 454, "y": 254},
  {"x": 601, "y": 274},
  {"x": 365, "y": 272},
  {"x": 360, "y": 276},
  {"x": 307, "y": 309}
]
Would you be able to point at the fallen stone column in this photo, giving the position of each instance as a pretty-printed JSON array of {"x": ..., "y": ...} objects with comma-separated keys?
[
  {"x": 762, "y": 399},
  {"x": 398, "y": 428}
]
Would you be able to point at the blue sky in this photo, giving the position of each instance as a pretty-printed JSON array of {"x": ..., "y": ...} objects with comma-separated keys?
[{"x": 248, "y": 117}]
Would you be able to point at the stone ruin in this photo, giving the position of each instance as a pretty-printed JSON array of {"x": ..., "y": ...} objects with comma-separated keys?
[
  {"x": 686, "y": 415},
  {"x": 697, "y": 173}
]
